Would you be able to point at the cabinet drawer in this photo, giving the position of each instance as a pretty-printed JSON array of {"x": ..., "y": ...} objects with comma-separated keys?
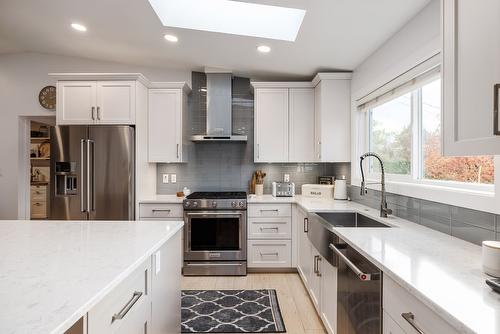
[
  {"x": 38, "y": 209},
  {"x": 160, "y": 211},
  {"x": 270, "y": 228},
  {"x": 127, "y": 304},
  {"x": 38, "y": 191},
  {"x": 397, "y": 301},
  {"x": 269, "y": 253},
  {"x": 269, "y": 210}
]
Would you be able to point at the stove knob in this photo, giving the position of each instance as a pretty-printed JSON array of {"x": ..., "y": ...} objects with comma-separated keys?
[
  {"x": 187, "y": 204},
  {"x": 233, "y": 204},
  {"x": 214, "y": 204},
  {"x": 195, "y": 204},
  {"x": 241, "y": 204}
]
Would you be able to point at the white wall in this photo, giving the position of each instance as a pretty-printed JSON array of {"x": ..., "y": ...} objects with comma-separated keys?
[
  {"x": 416, "y": 41},
  {"x": 21, "y": 78}
]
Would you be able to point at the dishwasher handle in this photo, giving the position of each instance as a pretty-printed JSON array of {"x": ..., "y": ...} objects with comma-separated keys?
[{"x": 361, "y": 275}]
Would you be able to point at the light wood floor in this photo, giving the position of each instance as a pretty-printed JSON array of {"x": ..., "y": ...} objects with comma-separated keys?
[{"x": 296, "y": 307}]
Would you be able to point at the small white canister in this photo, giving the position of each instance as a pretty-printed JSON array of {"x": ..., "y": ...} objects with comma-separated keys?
[{"x": 491, "y": 258}]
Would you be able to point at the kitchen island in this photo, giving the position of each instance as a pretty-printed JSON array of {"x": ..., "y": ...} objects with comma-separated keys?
[{"x": 55, "y": 274}]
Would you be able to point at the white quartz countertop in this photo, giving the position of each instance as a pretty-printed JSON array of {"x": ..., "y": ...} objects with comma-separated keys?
[
  {"x": 159, "y": 199},
  {"x": 443, "y": 272},
  {"x": 52, "y": 273}
]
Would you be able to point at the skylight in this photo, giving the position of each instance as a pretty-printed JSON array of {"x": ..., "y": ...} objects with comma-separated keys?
[{"x": 231, "y": 17}]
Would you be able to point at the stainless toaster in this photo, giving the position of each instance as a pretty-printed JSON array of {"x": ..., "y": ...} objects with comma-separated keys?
[{"x": 283, "y": 189}]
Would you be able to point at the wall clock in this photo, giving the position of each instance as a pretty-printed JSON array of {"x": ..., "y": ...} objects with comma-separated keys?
[{"x": 47, "y": 97}]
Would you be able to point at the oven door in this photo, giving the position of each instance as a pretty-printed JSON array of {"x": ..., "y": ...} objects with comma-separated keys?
[{"x": 215, "y": 236}]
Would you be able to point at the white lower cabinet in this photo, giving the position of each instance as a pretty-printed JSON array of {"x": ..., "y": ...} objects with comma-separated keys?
[
  {"x": 127, "y": 308},
  {"x": 147, "y": 301},
  {"x": 166, "y": 314},
  {"x": 329, "y": 296},
  {"x": 269, "y": 253},
  {"x": 304, "y": 248},
  {"x": 390, "y": 326},
  {"x": 315, "y": 279},
  {"x": 410, "y": 314},
  {"x": 269, "y": 231},
  {"x": 318, "y": 275}
]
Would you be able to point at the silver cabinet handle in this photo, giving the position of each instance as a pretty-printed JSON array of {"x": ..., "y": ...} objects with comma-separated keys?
[
  {"x": 93, "y": 113},
  {"x": 123, "y": 312},
  {"x": 410, "y": 318},
  {"x": 177, "y": 151},
  {"x": 258, "y": 151},
  {"x": 83, "y": 207},
  {"x": 269, "y": 210},
  {"x": 98, "y": 113},
  {"x": 269, "y": 228},
  {"x": 306, "y": 225},
  {"x": 161, "y": 210},
  {"x": 315, "y": 266},
  {"x": 496, "y": 130},
  {"x": 318, "y": 269},
  {"x": 361, "y": 275},
  {"x": 269, "y": 254}
]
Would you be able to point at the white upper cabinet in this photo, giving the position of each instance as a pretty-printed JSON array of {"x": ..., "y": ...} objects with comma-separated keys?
[
  {"x": 301, "y": 107},
  {"x": 115, "y": 102},
  {"x": 303, "y": 121},
  {"x": 271, "y": 125},
  {"x": 167, "y": 117},
  {"x": 332, "y": 117},
  {"x": 471, "y": 71},
  {"x": 96, "y": 98},
  {"x": 76, "y": 102}
]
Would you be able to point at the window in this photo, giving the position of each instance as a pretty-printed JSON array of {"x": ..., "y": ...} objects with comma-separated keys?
[
  {"x": 390, "y": 135},
  {"x": 405, "y": 130}
]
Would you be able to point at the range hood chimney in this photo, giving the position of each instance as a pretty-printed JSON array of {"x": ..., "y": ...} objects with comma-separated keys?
[{"x": 219, "y": 110}]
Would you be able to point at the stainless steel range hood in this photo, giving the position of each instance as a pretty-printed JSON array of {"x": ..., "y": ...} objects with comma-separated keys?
[{"x": 219, "y": 110}]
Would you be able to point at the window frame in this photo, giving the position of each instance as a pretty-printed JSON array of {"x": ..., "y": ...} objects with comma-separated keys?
[{"x": 416, "y": 175}]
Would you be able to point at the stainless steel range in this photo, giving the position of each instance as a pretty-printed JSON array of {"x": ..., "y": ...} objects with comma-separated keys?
[{"x": 215, "y": 234}]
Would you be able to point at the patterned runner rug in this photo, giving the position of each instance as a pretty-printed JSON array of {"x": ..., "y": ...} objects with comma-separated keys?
[{"x": 231, "y": 311}]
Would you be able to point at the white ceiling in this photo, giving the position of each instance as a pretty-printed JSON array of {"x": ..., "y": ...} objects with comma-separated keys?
[{"x": 335, "y": 35}]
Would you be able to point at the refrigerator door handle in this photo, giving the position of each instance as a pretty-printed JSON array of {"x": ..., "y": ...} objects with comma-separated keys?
[
  {"x": 83, "y": 207},
  {"x": 91, "y": 175}
]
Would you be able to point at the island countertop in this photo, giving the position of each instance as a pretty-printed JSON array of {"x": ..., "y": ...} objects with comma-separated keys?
[{"x": 52, "y": 273}]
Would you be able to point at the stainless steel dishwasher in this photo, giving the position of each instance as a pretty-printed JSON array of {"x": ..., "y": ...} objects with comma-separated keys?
[{"x": 359, "y": 282}]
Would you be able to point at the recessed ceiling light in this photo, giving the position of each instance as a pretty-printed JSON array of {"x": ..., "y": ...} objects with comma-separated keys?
[
  {"x": 171, "y": 38},
  {"x": 264, "y": 48},
  {"x": 78, "y": 26},
  {"x": 231, "y": 17}
]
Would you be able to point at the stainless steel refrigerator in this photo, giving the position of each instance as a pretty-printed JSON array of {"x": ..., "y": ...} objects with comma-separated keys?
[{"x": 92, "y": 173}]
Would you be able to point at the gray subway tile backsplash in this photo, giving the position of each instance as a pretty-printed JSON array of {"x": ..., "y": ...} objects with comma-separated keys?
[
  {"x": 229, "y": 166},
  {"x": 470, "y": 225},
  {"x": 428, "y": 208},
  {"x": 473, "y": 217},
  {"x": 440, "y": 224},
  {"x": 471, "y": 233}
]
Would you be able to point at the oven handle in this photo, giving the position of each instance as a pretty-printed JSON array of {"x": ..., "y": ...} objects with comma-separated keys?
[
  {"x": 214, "y": 214},
  {"x": 204, "y": 264}
]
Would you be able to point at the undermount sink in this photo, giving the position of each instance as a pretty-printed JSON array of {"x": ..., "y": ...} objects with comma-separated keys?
[{"x": 350, "y": 219}]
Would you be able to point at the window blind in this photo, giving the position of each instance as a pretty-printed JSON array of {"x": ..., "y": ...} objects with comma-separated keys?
[{"x": 415, "y": 78}]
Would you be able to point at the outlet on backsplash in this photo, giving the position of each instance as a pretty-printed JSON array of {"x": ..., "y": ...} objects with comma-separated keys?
[
  {"x": 173, "y": 178},
  {"x": 165, "y": 178},
  {"x": 286, "y": 178}
]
